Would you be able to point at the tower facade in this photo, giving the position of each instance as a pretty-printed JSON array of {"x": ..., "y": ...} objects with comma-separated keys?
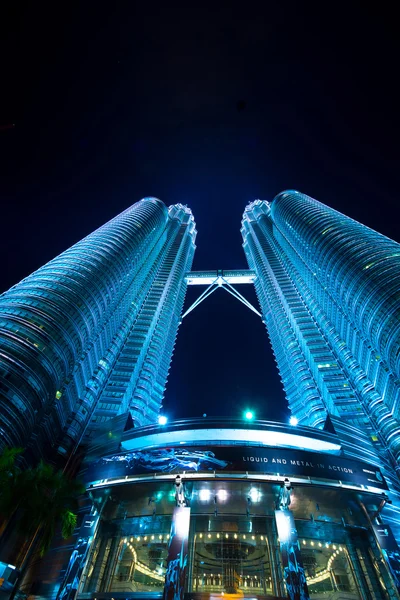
[
  {"x": 90, "y": 335},
  {"x": 329, "y": 291}
]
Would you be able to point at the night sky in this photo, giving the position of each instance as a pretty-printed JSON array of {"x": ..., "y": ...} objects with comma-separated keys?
[{"x": 208, "y": 104}]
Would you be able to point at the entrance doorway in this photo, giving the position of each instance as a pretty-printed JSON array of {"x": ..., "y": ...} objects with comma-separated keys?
[{"x": 228, "y": 558}]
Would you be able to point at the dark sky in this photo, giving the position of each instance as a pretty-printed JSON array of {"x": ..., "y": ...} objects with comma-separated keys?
[{"x": 209, "y": 104}]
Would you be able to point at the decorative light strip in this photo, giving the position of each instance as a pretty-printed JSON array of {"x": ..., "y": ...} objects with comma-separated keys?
[
  {"x": 141, "y": 567},
  {"x": 325, "y": 573},
  {"x": 261, "y": 477},
  {"x": 235, "y": 536},
  {"x": 268, "y": 437}
]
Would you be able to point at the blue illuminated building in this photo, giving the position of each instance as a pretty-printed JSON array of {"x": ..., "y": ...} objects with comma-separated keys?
[
  {"x": 209, "y": 508},
  {"x": 90, "y": 335},
  {"x": 329, "y": 288}
]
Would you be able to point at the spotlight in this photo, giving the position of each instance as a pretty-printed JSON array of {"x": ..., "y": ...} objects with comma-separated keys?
[
  {"x": 287, "y": 484},
  {"x": 222, "y": 495},
  {"x": 204, "y": 495},
  {"x": 162, "y": 420},
  {"x": 293, "y": 421},
  {"x": 249, "y": 415},
  {"x": 255, "y": 495}
]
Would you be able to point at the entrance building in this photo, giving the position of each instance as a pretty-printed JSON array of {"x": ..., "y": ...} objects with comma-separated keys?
[{"x": 213, "y": 509}]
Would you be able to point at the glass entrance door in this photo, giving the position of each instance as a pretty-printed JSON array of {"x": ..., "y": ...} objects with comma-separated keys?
[{"x": 230, "y": 560}]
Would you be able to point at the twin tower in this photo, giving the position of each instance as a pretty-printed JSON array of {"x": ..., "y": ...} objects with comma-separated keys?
[{"x": 89, "y": 337}]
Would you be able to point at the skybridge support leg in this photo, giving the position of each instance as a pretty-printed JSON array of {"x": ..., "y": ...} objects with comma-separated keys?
[{"x": 219, "y": 280}]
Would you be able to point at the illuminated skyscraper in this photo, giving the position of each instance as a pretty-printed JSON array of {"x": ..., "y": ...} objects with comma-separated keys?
[
  {"x": 90, "y": 335},
  {"x": 329, "y": 288}
]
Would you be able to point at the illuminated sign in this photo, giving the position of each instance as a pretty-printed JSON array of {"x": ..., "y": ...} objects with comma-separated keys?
[{"x": 274, "y": 461}]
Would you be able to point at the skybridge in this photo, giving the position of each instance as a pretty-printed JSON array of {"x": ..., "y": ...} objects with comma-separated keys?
[{"x": 226, "y": 280}]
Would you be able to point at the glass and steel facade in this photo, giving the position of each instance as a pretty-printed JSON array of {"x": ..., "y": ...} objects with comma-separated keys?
[
  {"x": 329, "y": 288},
  {"x": 90, "y": 335},
  {"x": 233, "y": 552},
  {"x": 233, "y": 477}
]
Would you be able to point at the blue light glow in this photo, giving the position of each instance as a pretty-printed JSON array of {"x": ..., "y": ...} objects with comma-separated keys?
[
  {"x": 108, "y": 308},
  {"x": 293, "y": 420},
  {"x": 162, "y": 420},
  {"x": 328, "y": 288},
  {"x": 269, "y": 437}
]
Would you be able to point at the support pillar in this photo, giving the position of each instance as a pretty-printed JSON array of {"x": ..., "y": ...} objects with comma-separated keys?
[
  {"x": 385, "y": 550},
  {"x": 111, "y": 565},
  {"x": 192, "y": 545},
  {"x": 177, "y": 560},
  {"x": 92, "y": 584},
  {"x": 293, "y": 570},
  {"x": 73, "y": 574}
]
